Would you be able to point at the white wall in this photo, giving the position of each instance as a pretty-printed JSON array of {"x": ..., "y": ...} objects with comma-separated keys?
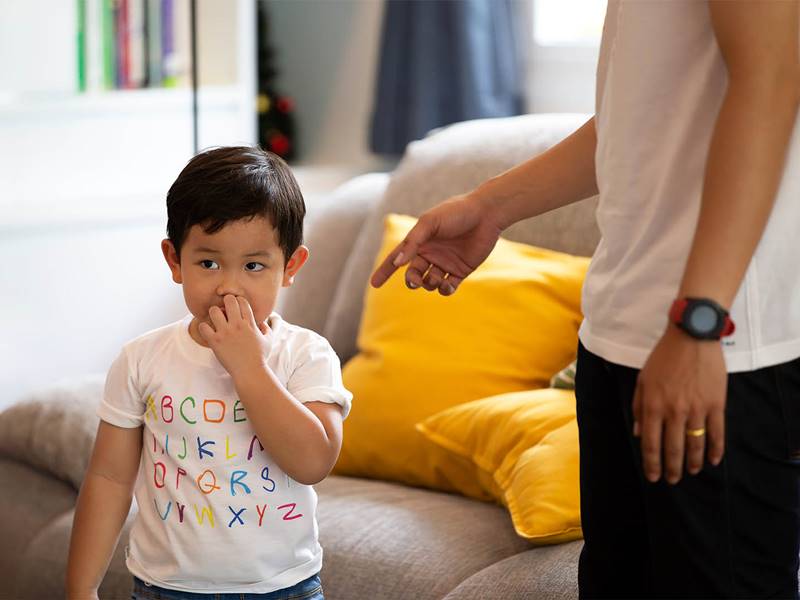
[
  {"x": 71, "y": 296},
  {"x": 83, "y": 178},
  {"x": 46, "y": 42},
  {"x": 561, "y": 79}
]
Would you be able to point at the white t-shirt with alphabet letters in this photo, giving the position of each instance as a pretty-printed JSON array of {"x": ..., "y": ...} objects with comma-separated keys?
[{"x": 216, "y": 513}]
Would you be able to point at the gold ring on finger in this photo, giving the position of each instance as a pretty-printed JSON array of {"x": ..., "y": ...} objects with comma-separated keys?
[{"x": 696, "y": 432}]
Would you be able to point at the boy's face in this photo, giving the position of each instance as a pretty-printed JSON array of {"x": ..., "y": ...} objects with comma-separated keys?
[{"x": 243, "y": 258}]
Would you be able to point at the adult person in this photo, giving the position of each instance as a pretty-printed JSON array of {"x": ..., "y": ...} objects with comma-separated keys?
[{"x": 688, "y": 377}]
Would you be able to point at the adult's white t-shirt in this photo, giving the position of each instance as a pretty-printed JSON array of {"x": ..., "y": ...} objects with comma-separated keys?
[
  {"x": 661, "y": 80},
  {"x": 216, "y": 513}
]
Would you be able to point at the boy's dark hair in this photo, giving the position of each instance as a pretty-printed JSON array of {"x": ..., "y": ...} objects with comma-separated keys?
[{"x": 230, "y": 183}]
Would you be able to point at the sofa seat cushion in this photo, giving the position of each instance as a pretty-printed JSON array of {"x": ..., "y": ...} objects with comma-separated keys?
[
  {"x": 29, "y": 502},
  {"x": 386, "y": 540},
  {"x": 44, "y": 563},
  {"x": 549, "y": 573}
]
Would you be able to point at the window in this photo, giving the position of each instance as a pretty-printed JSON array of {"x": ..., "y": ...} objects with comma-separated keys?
[
  {"x": 562, "y": 55},
  {"x": 568, "y": 22}
]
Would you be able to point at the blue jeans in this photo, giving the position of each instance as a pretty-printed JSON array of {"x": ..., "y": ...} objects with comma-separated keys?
[{"x": 308, "y": 589}]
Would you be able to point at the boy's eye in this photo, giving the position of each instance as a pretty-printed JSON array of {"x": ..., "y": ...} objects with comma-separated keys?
[
  {"x": 254, "y": 266},
  {"x": 208, "y": 264}
]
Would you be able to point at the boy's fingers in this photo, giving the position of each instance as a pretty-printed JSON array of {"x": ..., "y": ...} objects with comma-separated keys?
[
  {"x": 246, "y": 310},
  {"x": 205, "y": 333},
  {"x": 232, "y": 307},
  {"x": 217, "y": 317}
]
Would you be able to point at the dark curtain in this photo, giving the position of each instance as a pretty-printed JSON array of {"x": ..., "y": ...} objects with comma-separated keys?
[{"x": 443, "y": 61}]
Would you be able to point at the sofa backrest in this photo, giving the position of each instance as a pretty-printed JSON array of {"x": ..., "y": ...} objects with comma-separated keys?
[{"x": 450, "y": 161}]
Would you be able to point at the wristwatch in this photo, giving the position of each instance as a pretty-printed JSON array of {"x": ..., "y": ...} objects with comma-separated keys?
[{"x": 701, "y": 318}]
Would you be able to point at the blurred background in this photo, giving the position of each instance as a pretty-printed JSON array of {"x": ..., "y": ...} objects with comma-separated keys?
[{"x": 102, "y": 103}]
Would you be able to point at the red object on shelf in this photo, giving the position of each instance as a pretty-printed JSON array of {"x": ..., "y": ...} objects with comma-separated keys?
[
  {"x": 285, "y": 104},
  {"x": 279, "y": 144}
]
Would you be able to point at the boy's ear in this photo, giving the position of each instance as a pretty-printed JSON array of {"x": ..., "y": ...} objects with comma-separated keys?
[
  {"x": 294, "y": 264},
  {"x": 168, "y": 248}
]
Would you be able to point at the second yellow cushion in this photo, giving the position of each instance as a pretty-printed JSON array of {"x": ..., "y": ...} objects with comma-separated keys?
[{"x": 519, "y": 449}]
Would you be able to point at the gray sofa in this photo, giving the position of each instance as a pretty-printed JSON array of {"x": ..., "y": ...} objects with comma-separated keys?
[{"x": 381, "y": 540}]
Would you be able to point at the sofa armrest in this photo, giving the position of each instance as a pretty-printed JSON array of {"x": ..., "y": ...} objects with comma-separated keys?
[
  {"x": 53, "y": 429},
  {"x": 332, "y": 225}
]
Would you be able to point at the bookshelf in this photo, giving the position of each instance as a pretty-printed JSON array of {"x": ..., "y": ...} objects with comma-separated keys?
[{"x": 70, "y": 155}]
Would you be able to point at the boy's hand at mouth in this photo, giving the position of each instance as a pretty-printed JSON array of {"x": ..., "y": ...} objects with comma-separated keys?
[{"x": 238, "y": 342}]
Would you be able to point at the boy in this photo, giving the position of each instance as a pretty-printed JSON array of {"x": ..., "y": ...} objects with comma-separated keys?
[{"x": 228, "y": 416}]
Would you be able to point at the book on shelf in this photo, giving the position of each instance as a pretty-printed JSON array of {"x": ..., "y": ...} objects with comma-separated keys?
[
  {"x": 177, "y": 61},
  {"x": 132, "y": 44},
  {"x": 136, "y": 44},
  {"x": 152, "y": 43},
  {"x": 80, "y": 42}
]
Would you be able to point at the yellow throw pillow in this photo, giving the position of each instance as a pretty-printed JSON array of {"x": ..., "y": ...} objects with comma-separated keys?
[
  {"x": 520, "y": 449},
  {"x": 509, "y": 327}
]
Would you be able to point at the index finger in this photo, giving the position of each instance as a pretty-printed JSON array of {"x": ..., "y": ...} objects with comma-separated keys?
[
  {"x": 246, "y": 310},
  {"x": 388, "y": 266},
  {"x": 232, "y": 306},
  {"x": 404, "y": 252},
  {"x": 652, "y": 429}
]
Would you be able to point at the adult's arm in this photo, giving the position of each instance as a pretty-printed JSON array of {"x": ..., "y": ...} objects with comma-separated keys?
[
  {"x": 683, "y": 384},
  {"x": 559, "y": 176},
  {"x": 456, "y": 236}
]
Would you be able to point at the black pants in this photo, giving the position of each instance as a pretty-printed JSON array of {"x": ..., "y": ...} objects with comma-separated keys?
[{"x": 732, "y": 531}]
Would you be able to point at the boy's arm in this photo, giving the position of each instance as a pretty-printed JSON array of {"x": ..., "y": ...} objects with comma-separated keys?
[
  {"x": 103, "y": 504},
  {"x": 303, "y": 438}
]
